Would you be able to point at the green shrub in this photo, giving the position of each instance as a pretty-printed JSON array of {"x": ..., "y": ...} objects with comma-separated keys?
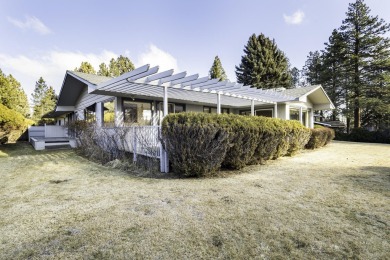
[
  {"x": 363, "y": 135},
  {"x": 298, "y": 137},
  {"x": 320, "y": 137},
  {"x": 199, "y": 143},
  {"x": 244, "y": 137},
  {"x": 196, "y": 144},
  {"x": 12, "y": 124}
]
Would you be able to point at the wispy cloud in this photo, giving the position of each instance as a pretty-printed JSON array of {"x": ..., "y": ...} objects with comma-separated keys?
[
  {"x": 155, "y": 56},
  {"x": 30, "y": 23},
  {"x": 296, "y": 18},
  {"x": 51, "y": 65}
]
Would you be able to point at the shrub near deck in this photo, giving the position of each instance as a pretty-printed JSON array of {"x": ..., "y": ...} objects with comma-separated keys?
[{"x": 199, "y": 143}]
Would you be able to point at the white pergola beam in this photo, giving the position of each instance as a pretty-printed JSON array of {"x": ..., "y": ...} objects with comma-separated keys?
[
  {"x": 149, "y": 72},
  {"x": 173, "y": 77},
  {"x": 199, "y": 80},
  {"x": 160, "y": 75},
  {"x": 184, "y": 80},
  {"x": 124, "y": 76},
  {"x": 209, "y": 82}
]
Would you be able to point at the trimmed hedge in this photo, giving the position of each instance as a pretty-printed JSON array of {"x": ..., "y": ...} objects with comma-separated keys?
[
  {"x": 363, "y": 135},
  {"x": 320, "y": 137},
  {"x": 199, "y": 143}
]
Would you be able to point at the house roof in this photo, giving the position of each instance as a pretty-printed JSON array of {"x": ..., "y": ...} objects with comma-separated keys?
[
  {"x": 299, "y": 92},
  {"x": 148, "y": 83},
  {"x": 90, "y": 78}
]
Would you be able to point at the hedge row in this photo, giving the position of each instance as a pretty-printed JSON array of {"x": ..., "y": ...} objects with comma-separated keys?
[
  {"x": 320, "y": 137},
  {"x": 199, "y": 143},
  {"x": 363, "y": 135}
]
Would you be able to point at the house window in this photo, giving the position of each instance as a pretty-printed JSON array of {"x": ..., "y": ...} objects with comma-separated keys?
[
  {"x": 264, "y": 112},
  {"x": 294, "y": 114},
  {"x": 89, "y": 114},
  {"x": 213, "y": 110},
  {"x": 259, "y": 112},
  {"x": 137, "y": 112},
  {"x": 172, "y": 107},
  {"x": 109, "y": 114}
]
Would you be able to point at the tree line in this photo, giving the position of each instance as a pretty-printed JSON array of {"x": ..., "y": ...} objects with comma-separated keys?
[{"x": 353, "y": 68}]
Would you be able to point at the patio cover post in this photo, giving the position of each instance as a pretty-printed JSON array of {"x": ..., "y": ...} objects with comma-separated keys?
[
  {"x": 165, "y": 102},
  {"x": 219, "y": 103},
  {"x": 276, "y": 110},
  {"x": 300, "y": 115},
  {"x": 118, "y": 105},
  {"x": 252, "y": 107},
  {"x": 99, "y": 110}
]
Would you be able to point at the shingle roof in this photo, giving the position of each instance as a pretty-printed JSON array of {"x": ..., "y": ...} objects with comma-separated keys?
[
  {"x": 91, "y": 78},
  {"x": 298, "y": 92}
]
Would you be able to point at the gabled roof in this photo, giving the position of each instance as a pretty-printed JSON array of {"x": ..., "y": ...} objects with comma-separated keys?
[
  {"x": 90, "y": 78},
  {"x": 299, "y": 92}
]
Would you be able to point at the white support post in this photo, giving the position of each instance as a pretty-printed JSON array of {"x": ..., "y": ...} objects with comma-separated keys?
[
  {"x": 311, "y": 118},
  {"x": 134, "y": 144},
  {"x": 99, "y": 112},
  {"x": 300, "y": 115},
  {"x": 252, "y": 107},
  {"x": 219, "y": 103},
  {"x": 164, "y": 160},
  {"x": 276, "y": 110},
  {"x": 118, "y": 105},
  {"x": 165, "y": 102}
]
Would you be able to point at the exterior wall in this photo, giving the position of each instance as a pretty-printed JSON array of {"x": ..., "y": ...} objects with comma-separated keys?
[
  {"x": 85, "y": 100},
  {"x": 283, "y": 111}
]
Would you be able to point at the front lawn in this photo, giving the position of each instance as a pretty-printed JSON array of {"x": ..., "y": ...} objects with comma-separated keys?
[{"x": 329, "y": 203}]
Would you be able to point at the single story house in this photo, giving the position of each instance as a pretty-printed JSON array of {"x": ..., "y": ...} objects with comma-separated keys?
[{"x": 144, "y": 96}]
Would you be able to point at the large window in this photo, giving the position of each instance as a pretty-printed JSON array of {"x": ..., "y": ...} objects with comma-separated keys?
[
  {"x": 267, "y": 112},
  {"x": 109, "y": 114},
  {"x": 264, "y": 112},
  {"x": 213, "y": 110},
  {"x": 294, "y": 114},
  {"x": 137, "y": 112}
]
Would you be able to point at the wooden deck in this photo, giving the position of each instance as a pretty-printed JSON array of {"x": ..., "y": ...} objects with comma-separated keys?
[{"x": 42, "y": 143}]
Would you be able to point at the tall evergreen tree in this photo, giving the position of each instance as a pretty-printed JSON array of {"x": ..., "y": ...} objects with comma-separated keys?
[
  {"x": 334, "y": 78},
  {"x": 263, "y": 64},
  {"x": 295, "y": 77},
  {"x": 86, "y": 67},
  {"x": 365, "y": 40},
  {"x": 312, "y": 71},
  {"x": 44, "y": 99},
  {"x": 12, "y": 94},
  {"x": 217, "y": 71},
  {"x": 104, "y": 70}
]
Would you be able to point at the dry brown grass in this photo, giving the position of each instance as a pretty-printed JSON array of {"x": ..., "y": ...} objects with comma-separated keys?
[{"x": 329, "y": 203}]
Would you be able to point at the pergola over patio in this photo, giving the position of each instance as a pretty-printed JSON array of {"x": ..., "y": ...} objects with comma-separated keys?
[{"x": 148, "y": 82}]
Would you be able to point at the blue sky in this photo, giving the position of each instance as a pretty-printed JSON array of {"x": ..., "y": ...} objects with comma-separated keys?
[{"x": 44, "y": 38}]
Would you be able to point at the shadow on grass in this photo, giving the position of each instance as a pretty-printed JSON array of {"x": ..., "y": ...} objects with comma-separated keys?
[
  {"x": 375, "y": 178},
  {"x": 22, "y": 149}
]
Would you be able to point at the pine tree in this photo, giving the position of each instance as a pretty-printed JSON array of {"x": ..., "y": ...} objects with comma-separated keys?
[
  {"x": 86, "y": 67},
  {"x": 119, "y": 66},
  {"x": 217, "y": 71},
  {"x": 365, "y": 43},
  {"x": 44, "y": 99},
  {"x": 103, "y": 70},
  {"x": 12, "y": 94},
  {"x": 333, "y": 75},
  {"x": 263, "y": 65},
  {"x": 295, "y": 77},
  {"x": 312, "y": 71}
]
